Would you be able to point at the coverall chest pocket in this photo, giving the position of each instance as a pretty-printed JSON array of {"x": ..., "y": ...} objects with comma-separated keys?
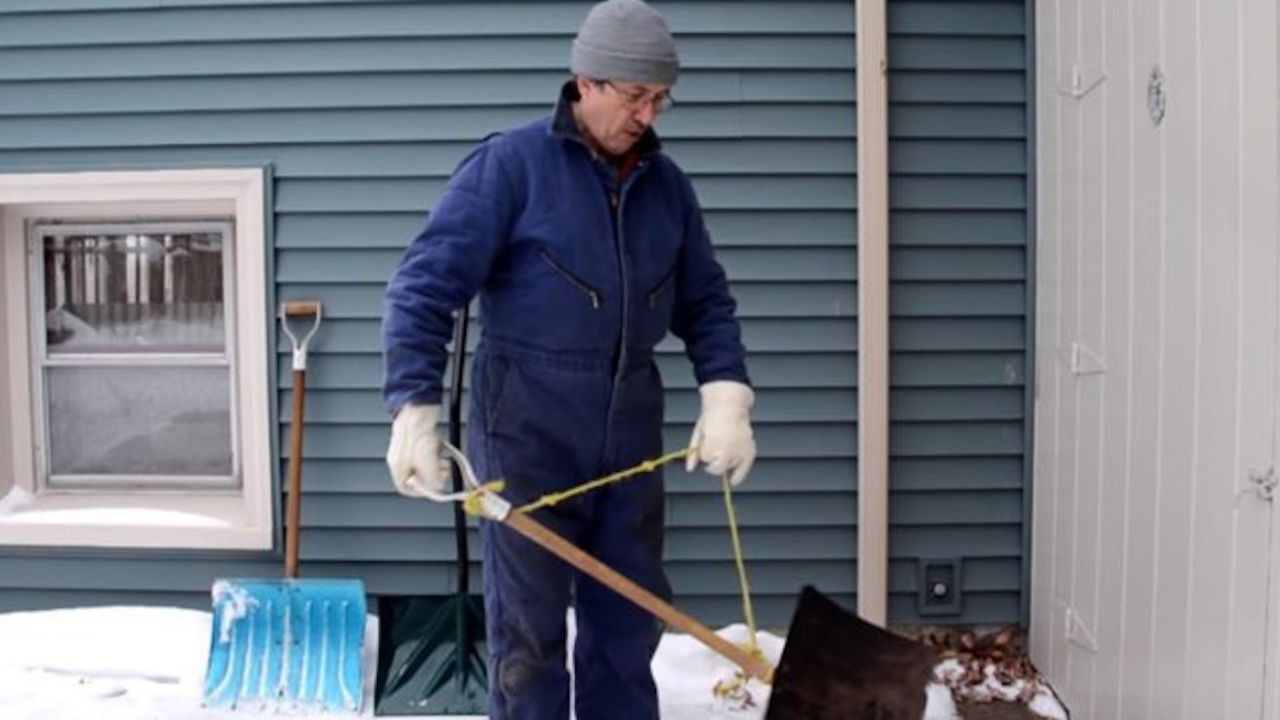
[
  {"x": 588, "y": 291},
  {"x": 659, "y": 303}
]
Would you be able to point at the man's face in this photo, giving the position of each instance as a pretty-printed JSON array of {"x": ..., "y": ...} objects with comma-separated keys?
[{"x": 615, "y": 114}]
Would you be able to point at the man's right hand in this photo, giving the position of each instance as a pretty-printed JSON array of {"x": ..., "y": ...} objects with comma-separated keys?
[{"x": 414, "y": 453}]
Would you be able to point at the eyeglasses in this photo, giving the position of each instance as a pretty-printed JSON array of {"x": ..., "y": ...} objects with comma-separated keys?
[{"x": 636, "y": 99}]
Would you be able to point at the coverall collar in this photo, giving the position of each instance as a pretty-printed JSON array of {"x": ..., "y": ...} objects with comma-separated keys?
[{"x": 564, "y": 126}]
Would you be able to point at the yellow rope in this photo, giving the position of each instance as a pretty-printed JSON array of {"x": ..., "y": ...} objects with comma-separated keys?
[
  {"x": 647, "y": 466},
  {"x": 753, "y": 645},
  {"x": 472, "y": 506}
]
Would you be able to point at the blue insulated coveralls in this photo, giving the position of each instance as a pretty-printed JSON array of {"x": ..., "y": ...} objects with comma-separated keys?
[{"x": 580, "y": 274}]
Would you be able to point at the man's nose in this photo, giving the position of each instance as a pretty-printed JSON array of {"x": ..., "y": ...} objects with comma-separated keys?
[{"x": 646, "y": 114}]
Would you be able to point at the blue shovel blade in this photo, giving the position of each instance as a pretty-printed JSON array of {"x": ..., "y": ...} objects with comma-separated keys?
[{"x": 287, "y": 646}]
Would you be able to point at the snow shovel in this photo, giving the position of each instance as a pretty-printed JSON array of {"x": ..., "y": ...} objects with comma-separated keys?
[
  {"x": 431, "y": 649},
  {"x": 834, "y": 666},
  {"x": 288, "y": 645}
]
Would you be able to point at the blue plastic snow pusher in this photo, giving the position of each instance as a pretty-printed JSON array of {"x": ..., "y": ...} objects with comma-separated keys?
[{"x": 288, "y": 646}]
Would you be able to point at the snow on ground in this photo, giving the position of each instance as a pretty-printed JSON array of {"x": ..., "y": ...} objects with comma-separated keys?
[{"x": 134, "y": 663}]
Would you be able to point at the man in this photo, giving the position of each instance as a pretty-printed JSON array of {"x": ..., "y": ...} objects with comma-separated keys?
[{"x": 586, "y": 245}]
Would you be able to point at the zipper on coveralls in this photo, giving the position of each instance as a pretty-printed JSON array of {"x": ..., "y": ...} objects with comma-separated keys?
[{"x": 617, "y": 201}]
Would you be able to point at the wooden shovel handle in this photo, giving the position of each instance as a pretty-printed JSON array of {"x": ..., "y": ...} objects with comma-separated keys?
[
  {"x": 570, "y": 553},
  {"x": 293, "y": 509},
  {"x": 294, "y": 308}
]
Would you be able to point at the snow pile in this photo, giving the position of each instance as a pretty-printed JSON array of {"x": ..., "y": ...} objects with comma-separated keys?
[
  {"x": 688, "y": 673},
  {"x": 133, "y": 663}
]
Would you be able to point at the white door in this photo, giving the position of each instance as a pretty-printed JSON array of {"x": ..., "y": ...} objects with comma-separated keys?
[{"x": 1156, "y": 554}]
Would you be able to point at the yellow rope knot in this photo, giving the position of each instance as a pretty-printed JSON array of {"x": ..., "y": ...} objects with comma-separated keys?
[{"x": 472, "y": 502}]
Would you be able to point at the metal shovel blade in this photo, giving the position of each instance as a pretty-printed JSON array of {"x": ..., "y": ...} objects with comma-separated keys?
[
  {"x": 837, "y": 666},
  {"x": 293, "y": 646}
]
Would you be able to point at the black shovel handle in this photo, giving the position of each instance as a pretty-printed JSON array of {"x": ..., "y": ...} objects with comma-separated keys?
[{"x": 455, "y": 439}]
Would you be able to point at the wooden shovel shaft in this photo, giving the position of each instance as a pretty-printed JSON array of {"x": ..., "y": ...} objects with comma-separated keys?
[
  {"x": 294, "y": 506},
  {"x": 570, "y": 553}
]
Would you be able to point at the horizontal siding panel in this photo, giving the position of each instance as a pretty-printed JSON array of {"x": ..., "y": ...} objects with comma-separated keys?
[
  {"x": 958, "y": 227},
  {"x": 955, "y": 540},
  {"x": 410, "y": 55},
  {"x": 425, "y": 89},
  {"x": 967, "y": 507},
  {"x": 792, "y": 440},
  {"x": 952, "y": 18},
  {"x": 394, "y": 230},
  {"x": 772, "y": 406},
  {"x": 765, "y": 577},
  {"x": 955, "y": 404},
  {"x": 966, "y": 299},
  {"x": 109, "y": 96},
  {"x": 920, "y": 86},
  {"x": 948, "y": 265},
  {"x": 955, "y": 473},
  {"x": 392, "y": 20},
  {"x": 957, "y": 193},
  {"x": 957, "y": 121},
  {"x": 957, "y": 369},
  {"x": 363, "y": 370},
  {"x": 773, "y": 612},
  {"x": 706, "y": 510},
  {"x": 761, "y": 335},
  {"x": 957, "y": 53},
  {"x": 977, "y": 575},
  {"x": 981, "y": 334},
  {"x": 781, "y": 299},
  {"x": 957, "y": 157},
  {"x": 789, "y": 475},
  {"x": 763, "y": 544},
  {"x": 682, "y": 406},
  {"x": 390, "y": 125},
  {"x": 776, "y": 336},
  {"x": 356, "y": 194},
  {"x": 745, "y": 265},
  {"x": 774, "y": 510},
  {"x": 955, "y": 439},
  {"x": 437, "y": 160}
]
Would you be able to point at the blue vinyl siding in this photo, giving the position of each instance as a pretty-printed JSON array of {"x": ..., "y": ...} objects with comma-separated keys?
[
  {"x": 960, "y": 329},
  {"x": 363, "y": 108}
]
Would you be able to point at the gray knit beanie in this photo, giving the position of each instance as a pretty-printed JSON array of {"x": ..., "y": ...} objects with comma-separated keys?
[{"x": 625, "y": 40}]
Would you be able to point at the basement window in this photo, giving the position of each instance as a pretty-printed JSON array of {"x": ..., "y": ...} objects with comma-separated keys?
[{"x": 133, "y": 360}]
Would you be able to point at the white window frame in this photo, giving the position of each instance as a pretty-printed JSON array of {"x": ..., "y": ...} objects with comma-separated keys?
[{"x": 239, "y": 518}]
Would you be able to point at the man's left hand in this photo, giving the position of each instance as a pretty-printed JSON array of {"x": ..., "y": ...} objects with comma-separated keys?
[{"x": 722, "y": 438}]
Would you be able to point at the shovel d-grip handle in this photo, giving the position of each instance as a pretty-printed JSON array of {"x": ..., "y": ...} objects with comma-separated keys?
[
  {"x": 298, "y": 309},
  {"x": 293, "y": 510}
]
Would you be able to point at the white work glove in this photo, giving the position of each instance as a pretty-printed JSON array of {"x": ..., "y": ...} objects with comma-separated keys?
[
  {"x": 722, "y": 437},
  {"x": 414, "y": 453}
]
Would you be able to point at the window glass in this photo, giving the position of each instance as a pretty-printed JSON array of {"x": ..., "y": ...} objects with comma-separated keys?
[
  {"x": 135, "y": 369},
  {"x": 134, "y": 292}
]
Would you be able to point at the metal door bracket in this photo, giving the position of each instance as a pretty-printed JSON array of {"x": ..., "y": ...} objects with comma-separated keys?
[{"x": 1081, "y": 81}]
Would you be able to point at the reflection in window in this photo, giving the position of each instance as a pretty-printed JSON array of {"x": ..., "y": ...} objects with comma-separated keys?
[{"x": 134, "y": 292}]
